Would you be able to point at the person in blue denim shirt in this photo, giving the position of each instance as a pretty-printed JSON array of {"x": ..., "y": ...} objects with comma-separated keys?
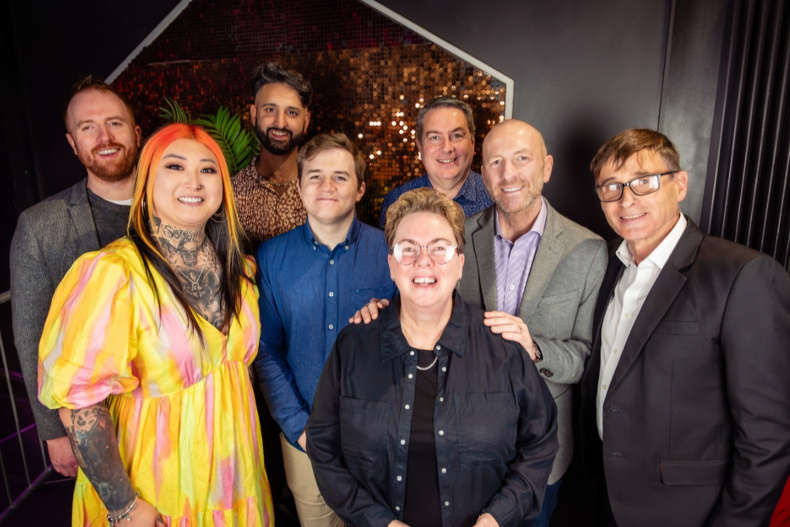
[
  {"x": 425, "y": 417},
  {"x": 312, "y": 279},
  {"x": 446, "y": 141}
]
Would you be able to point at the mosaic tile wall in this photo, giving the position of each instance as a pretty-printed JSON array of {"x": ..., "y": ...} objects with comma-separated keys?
[{"x": 369, "y": 75}]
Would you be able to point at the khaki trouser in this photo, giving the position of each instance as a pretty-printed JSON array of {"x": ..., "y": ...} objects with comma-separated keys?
[{"x": 310, "y": 506}]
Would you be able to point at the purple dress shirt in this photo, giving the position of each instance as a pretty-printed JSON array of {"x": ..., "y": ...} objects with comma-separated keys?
[{"x": 514, "y": 262}]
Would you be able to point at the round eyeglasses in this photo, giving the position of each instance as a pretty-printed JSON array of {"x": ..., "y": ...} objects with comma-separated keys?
[
  {"x": 406, "y": 252},
  {"x": 640, "y": 186}
]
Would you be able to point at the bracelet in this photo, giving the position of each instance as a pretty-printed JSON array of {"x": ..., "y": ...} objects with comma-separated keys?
[{"x": 125, "y": 514}]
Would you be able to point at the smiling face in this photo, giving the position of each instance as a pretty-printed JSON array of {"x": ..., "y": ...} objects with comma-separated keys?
[
  {"x": 515, "y": 167},
  {"x": 446, "y": 147},
  {"x": 329, "y": 187},
  {"x": 279, "y": 117},
  {"x": 426, "y": 285},
  {"x": 102, "y": 133},
  {"x": 643, "y": 221},
  {"x": 187, "y": 188}
]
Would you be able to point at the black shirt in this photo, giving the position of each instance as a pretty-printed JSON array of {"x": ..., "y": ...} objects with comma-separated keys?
[{"x": 494, "y": 423}]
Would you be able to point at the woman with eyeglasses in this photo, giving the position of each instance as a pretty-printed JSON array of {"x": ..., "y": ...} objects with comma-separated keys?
[
  {"x": 425, "y": 417},
  {"x": 146, "y": 352}
]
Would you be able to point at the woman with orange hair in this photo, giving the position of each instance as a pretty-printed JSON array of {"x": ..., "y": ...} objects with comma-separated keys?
[{"x": 146, "y": 348}]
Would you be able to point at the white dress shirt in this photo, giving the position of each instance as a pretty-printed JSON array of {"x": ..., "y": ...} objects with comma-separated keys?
[{"x": 629, "y": 296}]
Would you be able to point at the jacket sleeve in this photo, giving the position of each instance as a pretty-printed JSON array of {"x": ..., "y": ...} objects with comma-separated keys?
[
  {"x": 755, "y": 346},
  {"x": 31, "y": 294},
  {"x": 341, "y": 491},
  {"x": 276, "y": 379},
  {"x": 565, "y": 357},
  {"x": 521, "y": 494}
]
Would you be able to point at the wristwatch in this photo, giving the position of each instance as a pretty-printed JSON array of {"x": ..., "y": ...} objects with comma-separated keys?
[{"x": 538, "y": 353}]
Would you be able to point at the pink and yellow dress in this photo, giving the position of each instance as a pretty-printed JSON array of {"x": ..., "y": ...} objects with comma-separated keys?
[{"x": 184, "y": 412}]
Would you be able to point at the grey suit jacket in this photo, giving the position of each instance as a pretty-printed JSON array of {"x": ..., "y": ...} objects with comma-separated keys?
[
  {"x": 557, "y": 304},
  {"x": 49, "y": 237},
  {"x": 696, "y": 427}
]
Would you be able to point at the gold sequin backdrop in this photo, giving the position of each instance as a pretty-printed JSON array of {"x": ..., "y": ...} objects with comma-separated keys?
[{"x": 369, "y": 75}]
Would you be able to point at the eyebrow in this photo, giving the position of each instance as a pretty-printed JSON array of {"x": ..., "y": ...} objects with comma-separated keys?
[
  {"x": 460, "y": 128},
  {"x": 275, "y": 105},
  {"x": 636, "y": 175},
  {"x": 318, "y": 171},
  {"x": 113, "y": 118},
  {"x": 417, "y": 243},
  {"x": 182, "y": 158}
]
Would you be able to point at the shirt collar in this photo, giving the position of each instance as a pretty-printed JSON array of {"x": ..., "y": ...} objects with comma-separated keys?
[
  {"x": 393, "y": 344},
  {"x": 351, "y": 236},
  {"x": 538, "y": 226},
  {"x": 469, "y": 189},
  {"x": 660, "y": 254}
]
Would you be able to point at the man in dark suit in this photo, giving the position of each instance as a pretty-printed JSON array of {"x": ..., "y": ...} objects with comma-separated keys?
[
  {"x": 51, "y": 235},
  {"x": 685, "y": 400}
]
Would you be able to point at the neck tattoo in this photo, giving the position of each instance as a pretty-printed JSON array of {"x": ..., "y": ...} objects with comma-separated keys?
[{"x": 194, "y": 284}]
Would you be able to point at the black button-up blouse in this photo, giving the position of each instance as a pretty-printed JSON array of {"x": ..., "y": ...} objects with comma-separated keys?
[{"x": 495, "y": 423}]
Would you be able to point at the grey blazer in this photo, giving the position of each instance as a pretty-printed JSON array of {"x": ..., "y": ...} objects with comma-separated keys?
[
  {"x": 557, "y": 305},
  {"x": 49, "y": 237}
]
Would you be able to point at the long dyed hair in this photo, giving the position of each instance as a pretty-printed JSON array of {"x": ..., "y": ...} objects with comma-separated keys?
[{"x": 223, "y": 229}]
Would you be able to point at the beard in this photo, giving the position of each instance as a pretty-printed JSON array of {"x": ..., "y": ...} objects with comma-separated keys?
[
  {"x": 276, "y": 146},
  {"x": 113, "y": 170}
]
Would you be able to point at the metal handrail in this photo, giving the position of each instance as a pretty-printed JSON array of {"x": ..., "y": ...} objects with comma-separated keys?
[{"x": 35, "y": 482}]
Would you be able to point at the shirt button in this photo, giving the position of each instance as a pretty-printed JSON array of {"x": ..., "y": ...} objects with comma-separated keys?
[
  {"x": 441, "y": 399},
  {"x": 438, "y": 347},
  {"x": 515, "y": 253},
  {"x": 331, "y": 293},
  {"x": 444, "y": 471},
  {"x": 407, "y": 406},
  {"x": 397, "y": 508},
  {"x": 441, "y": 432},
  {"x": 411, "y": 352},
  {"x": 399, "y": 478},
  {"x": 627, "y": 315},
  {"x": 615, "y": 351},
  {"x": 402, "y": 441},
  {"x": 411, "y": 376},
  {"x": 346, "y": 247},
  {"x": 511, "y": 287},
  {"x": 331, "y": 262},
  {"x": 446, "y": 503},
  {"x": 603, "y": 387},
  {"x": 444, "y": 368},
  {"x": 331, "y": 326}
]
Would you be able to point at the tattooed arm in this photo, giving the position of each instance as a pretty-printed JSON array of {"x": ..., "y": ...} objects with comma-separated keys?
[{"x": 92, "y": 436}]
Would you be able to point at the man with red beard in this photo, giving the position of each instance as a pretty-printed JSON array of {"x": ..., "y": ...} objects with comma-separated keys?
[
  {"x": 267, "y": 197},
  {"x": 51, "y": 235}
]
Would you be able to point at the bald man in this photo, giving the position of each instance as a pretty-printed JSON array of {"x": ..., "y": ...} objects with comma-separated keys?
[{"x": 548, "y": 270}]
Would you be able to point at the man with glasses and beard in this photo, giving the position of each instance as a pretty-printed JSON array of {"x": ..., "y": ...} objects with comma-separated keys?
[
  {"x": 267, "y": 197},
  {"x": 51, "y": 235}
]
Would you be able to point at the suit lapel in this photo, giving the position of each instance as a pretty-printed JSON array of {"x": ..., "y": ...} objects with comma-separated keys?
[
  {"x": 82, "y": 218},
  {"x": 547, "y": 257},
  {"x": 666, "y": 288},
  {"x": 592, "y": 370},
  {"x": 483, "y": 246}
]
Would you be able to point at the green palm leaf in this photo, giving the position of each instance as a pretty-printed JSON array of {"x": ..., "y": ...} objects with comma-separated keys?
[
  {"x": 173, "y": 112},
  {"x": 233, "y": 139}
]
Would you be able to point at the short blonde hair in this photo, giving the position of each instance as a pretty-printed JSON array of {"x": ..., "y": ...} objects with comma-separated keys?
[{"x": 426, "y": 200}]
